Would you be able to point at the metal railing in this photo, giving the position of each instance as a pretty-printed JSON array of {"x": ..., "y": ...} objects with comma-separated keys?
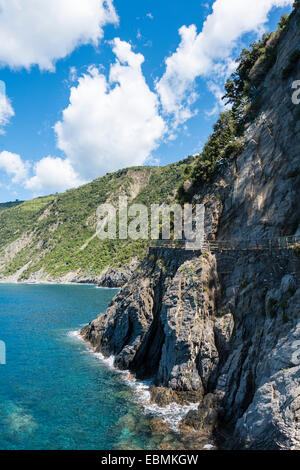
[{"x": 282, "y": 243}]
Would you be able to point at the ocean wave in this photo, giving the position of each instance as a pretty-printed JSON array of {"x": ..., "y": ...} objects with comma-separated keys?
[
  {"x": 107, "y": 288},
  {"x": 172, "y": 414},
  {"x": 75, "y": 334}
]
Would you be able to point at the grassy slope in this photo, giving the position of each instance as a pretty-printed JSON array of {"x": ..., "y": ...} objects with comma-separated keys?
[
  {"x": 60, "y": 225},
  {"x": 8, "y": 205}
]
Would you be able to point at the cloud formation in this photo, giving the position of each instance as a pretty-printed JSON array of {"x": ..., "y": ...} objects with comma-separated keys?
[
  {"x": 6, "y": 110},
  {"x": 53, "y": 174},
  {"x": 199, "y": 55},
  {"x": 14, "y": 167},
  {"x": 41, "y": 32},
  {"x": 111, "y": 123},
  {"x": 50, "y": 174},
  {"x": 114, "y": 121}
]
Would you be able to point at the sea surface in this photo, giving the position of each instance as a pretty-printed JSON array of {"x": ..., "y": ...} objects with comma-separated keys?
[{"x": 55, "y": 393}]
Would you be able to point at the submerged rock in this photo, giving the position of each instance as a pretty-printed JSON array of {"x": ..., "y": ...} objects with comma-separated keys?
[
  {"x": 159, "y": 426},
  {"x": 205, "y": 418},
  {"x": 164, "y": 396}
]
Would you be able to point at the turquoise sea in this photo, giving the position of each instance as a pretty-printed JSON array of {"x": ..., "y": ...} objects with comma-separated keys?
[{"x": 54, "y": 392}]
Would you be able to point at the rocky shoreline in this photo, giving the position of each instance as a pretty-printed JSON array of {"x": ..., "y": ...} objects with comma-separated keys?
[
  {"x": 223, "y": 328},
  {"x": 113, "y": 278},
  {"x": 205, "y": 342},
  {"x": 162, "y": 409}
]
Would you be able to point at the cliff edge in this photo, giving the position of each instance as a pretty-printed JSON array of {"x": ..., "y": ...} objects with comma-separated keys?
[{"x": 222, "y": 327}]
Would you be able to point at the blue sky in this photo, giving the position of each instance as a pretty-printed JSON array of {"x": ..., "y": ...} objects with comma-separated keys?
[{"x": 150, "y": 111}]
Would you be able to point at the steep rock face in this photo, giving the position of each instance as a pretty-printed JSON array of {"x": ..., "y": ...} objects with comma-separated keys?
[
  {"x": 224, "y": 329},
  {"x": 160, "y": 325},
  {"x": 259, "y": 377},
  {"x": 255, "y": 196},
  {"x": 187, "y": 313},
  {"x": 272, "y": 419},
  {"x": 218, "y": 330},
  {"x": 118, "y": 277}
]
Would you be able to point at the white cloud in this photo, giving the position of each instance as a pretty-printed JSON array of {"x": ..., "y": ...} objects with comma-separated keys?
[
  {"x": 41, "y": 32},
  {"x": 49, "y": 174},
  {"x": 202, "y": 54},
  {"x": 111, "y": 123},
  {"x": 72, "y": 74},
  {"x": 6, "y": 110},
  {"x": 14, "y": 167},
  {"x": 53, "y": 174}
]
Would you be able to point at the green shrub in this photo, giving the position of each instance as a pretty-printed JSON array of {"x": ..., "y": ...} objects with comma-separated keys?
[
  {"x": 234, "y": 149},
  {"x": 182, "y": 195},
  {"x": 221, "y": 313},
  {"x": 283, "y": 21},
  {"x": 243, "y": 92},
  {"x": 66, "y": 222},
  {"x": 244, "y": 86},
  {"x": 244, "y": 284},
  {"x": 205, "y": 165},
  {"x": 296, "y": 249}
]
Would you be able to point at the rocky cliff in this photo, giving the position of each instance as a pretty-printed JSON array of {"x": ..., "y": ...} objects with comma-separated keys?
[
  {"x": 223, "y": 328},
  {"x": 216, "y": 330}
]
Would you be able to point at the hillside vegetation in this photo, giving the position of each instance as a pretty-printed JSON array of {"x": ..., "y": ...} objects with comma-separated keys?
[
  {"x": 222, "y": 328},
  {"x": 8, "y": 205},
  {"x": 49, "y": 237},
  {"x": 244, "y": 91},
  {"x": 53, "y": 237}
]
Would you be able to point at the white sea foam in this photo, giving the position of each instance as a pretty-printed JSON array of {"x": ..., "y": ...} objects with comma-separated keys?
[
  {"x": 75, "y": 334},
  {"x": 208, "y": 447},
  {"x": 107, "y": 288},
  {"x": 173, "y": 414},
  {"x": 108, "y": 361}
]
